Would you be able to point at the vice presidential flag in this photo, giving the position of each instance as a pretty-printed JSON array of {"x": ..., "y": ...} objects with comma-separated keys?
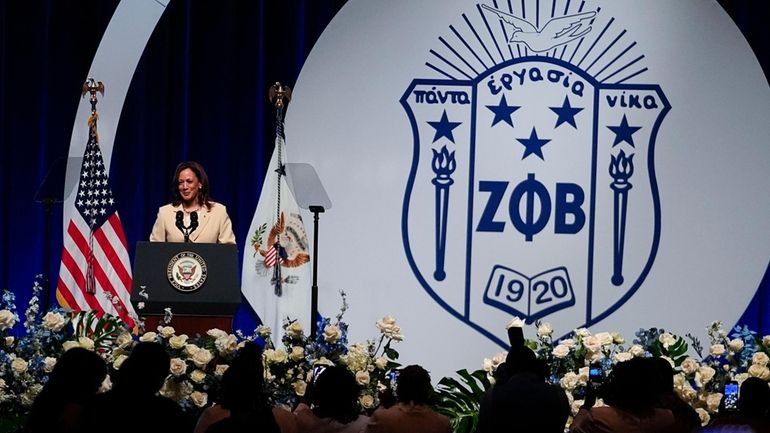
[
  {"x": 276, "y": 276},
  {"x": 95, "y": 272}
]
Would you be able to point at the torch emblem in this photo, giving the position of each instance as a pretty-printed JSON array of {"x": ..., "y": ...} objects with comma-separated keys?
[{"x": 535, "y": 175}]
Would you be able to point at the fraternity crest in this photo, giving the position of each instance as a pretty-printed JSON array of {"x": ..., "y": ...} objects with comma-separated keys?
[{"x": 533, "y": 167}]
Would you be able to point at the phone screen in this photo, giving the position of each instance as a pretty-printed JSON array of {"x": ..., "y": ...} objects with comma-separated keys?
[
  {"x": 595, "y": 374},
  {"x": 731, "y": 396}
]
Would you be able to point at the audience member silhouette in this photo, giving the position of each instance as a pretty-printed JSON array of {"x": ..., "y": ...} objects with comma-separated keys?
[
  {"x": 687, "y": 419},
  {"x": 242, "y": 403},
  {"x": 632, "y": 403},
  {"x": 133, "y": 404},
  {"x": 752, "y": 413},
  {"x": 334, "y": 404},
  {"x": 410, "y": 414},
  {"x": 526, "y": 402},
  {"x": 75, "y": 378}
]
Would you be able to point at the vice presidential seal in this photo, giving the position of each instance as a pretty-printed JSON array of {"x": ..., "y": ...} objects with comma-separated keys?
[{"x": 187, "y": 271}]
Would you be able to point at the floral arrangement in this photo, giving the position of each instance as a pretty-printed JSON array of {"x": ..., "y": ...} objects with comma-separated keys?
[
  {"x": 197, "y": 362},
  {"x": 699, "y": 378}
]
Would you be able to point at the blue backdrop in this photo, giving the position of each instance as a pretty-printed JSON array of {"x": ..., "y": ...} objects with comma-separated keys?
[{"x": 198, "y": 93}]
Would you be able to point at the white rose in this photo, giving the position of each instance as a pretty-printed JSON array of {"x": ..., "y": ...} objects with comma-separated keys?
[
  {"x": 190, "y": 349},
  {"x": 220, "y": 369},
  {"x": 667, "y": 339},
  {"x": 592, "y": 343},
  {"x": 226, "y": 345},
  {"x": 332, "y": 333},
  {"x": 54, "y": 321},
  {"x": 202, "y": 358},
  {"x": 690, "y": 365},
  {"x": 545, "y": 329},
  {"x": 569, "y": 342},
  {"x": 704, "y": 375},
  {"x": 67, "y": 345},
  {"x": 605, "y": 338},
  {"x": 300, "y": 387},
  {"x": 622, "y": 356},
  {"x": 264, "y": 331},
  {"x": 759, "y": 371},
  {"x": 178, "y": 367},
  {"x": 679, "y": 380},
  {"x": 389, "y": 329},
  {"x": 736, "y": 345},
  {"x": 166, "y": 331},
  {"x": 119, "y": 361},
  {"x": 594, "y": 356},
  {"x": 294, "y": 330},
  {"x": 216, "y": 333},
  {"x": 198, "y": 376},
  {"x": 199, "y": 399},
  {"x": 712, "y": 402},
  {"x": 381, "y": 363},
  {"x": 367, "y": 401},
  {"x": 297, "y": 353},
  {"x": 583, "y": 375},
  {"x": 760, "y": 358},
  {"x": 362, "y": 377},
  {"x": 766, "y": 340},
  {"x": 703, "y": 415},
  {"x": 48, "y": 364},
  {"x": 515, "y": 322},
  {"x": 148, "y": 336},
  {"x": 582, "y": 332},
  {"x": 178, "y": 341},
  {"x": 86, "y": 343},
  {"x": 276, "y": 356},
  {"x": 569, "y": 381},
  {"x": 741, "y": 377},
  {"x": 717, "y": 350},
  {"x": 124, "y": 340},
  {"x": 7, "y": 320},
  {"x": 560, "y": 351},
  {"x": 636, "y": 350},
  {"x": 617, "y": 338},
  {"x": 9, "y": 339},
  {"x": 19, "y": 366},
  {"x": 575, "y": 407}
]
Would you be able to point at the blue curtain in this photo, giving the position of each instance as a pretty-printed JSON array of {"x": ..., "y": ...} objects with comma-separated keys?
[{"x": 199, "y": 93}]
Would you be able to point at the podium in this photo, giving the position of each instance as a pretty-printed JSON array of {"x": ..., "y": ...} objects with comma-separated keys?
[{"x": 198, "y": 282}]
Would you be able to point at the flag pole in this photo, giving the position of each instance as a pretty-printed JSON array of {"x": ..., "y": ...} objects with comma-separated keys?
[
  {"x": 92, "y": 86},
  {"x": 277, "y": 94}
]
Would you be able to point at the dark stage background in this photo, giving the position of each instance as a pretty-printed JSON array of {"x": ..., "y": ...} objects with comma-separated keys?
[{"x": 199, "y": 92}]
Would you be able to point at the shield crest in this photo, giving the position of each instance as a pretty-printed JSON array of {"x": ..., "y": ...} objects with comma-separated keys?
[{"x": 532, "y": 192}]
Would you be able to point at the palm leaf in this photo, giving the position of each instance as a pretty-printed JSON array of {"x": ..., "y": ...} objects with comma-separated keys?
[{"x": 460, "y": 399}]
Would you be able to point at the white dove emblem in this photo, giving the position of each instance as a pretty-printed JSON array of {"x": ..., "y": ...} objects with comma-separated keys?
[{"x": 557, "y": 31}]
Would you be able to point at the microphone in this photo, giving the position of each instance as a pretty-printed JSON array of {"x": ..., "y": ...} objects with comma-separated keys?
[
  {"x": 193, "y": 221},
  {"x": 180, "y": 220}
]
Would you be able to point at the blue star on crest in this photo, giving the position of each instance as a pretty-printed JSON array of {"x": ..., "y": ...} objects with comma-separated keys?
[
  {"x": 624, "y": 132},
  {"x": 566, "y": 113},
  {"x": 533, "y": 145},
  {"x": 503, "y": 111},
  {"x": 444, "y": 128}
]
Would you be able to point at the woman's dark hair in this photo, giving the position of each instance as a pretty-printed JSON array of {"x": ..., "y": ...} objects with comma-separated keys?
[
  {"x": 204, "y": 198},
  {"x": 242, "y": 386},
  {"x": 413, "y": 385},
  {"x": 335, "y": 395},
  {"x": 754, "y": 399},
  {"x": 632, "y": 387}
]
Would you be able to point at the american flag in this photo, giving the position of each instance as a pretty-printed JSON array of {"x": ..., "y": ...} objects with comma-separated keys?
[
  {"x": 95, "y": 271},
  {"x": 272, "y": 253}
]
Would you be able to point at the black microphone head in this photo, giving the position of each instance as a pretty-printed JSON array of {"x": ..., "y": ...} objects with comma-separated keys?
[
  {"x": 193, "y": 221},
  {"x": 179, "y": 220}
]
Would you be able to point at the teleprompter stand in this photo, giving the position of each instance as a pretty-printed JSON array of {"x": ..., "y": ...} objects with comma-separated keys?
[{"x": 311, "y": 195}]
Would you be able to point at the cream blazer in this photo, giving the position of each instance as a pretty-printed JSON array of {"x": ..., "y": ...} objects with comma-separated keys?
[{"x": 214, "y": 225}]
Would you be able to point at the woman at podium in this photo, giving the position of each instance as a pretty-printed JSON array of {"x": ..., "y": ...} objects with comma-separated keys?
[{"x": 192, "y": 216}]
